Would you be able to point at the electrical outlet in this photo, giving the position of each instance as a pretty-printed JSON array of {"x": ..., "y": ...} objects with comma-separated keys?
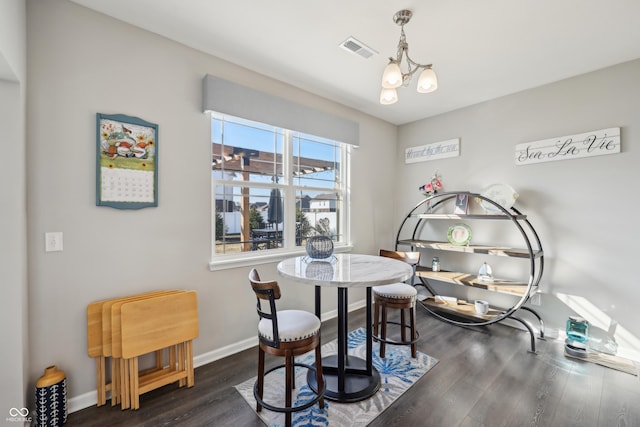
[{"x": 53, "y": 241}]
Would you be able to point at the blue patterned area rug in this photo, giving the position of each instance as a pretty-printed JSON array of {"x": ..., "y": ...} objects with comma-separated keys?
[{"x": 398, "y": 372}]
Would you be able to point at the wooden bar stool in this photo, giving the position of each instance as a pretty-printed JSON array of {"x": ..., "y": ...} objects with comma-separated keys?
[
  {"x": 400, "y": 296},
  {"x": 286, "y": 333}
]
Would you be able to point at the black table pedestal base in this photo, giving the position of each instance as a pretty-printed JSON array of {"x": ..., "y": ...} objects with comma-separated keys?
[{"x": 357, "y": 384}]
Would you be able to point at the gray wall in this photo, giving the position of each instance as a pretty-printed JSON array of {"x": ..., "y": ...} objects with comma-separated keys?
[
  {"x": 13, "y": 66},
  {"x": 81, "y": 63},
  {"x": 13, "y": 218},
  {"x": 585, "y": 210}
]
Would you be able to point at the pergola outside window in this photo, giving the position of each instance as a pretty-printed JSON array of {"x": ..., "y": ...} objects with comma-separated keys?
[{"x": 273, "y": 188}]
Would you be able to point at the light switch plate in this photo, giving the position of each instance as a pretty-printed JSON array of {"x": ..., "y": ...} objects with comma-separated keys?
[{"x": 53, "y": 241}]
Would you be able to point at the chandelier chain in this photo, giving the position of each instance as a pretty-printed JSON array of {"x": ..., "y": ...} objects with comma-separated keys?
[{"x": 403, "y": 52}]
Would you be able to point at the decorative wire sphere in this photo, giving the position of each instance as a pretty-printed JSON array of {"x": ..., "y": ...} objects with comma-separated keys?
[{"x": 319, "y": 247}]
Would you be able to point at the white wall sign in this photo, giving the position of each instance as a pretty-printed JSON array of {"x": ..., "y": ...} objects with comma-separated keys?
[
  {"x": 594, "y": 143},
  {"x": 437, "y": 150}
]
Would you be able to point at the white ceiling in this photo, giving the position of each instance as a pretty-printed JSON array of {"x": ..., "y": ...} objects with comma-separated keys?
[{"x": 479, "y": 49}]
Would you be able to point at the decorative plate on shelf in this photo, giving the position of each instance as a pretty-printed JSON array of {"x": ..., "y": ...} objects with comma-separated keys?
[
  {"x": 459, "y": 234},
  {"x": 502, "y": 194}
]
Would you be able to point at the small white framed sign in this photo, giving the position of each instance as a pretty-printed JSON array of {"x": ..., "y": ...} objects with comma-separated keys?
[
  {"x": 437, "y": 150},
  {"x": 588, "y": 144}
]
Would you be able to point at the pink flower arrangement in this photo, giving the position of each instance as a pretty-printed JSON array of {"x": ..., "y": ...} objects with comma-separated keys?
[{"x": 432, "y": 187}]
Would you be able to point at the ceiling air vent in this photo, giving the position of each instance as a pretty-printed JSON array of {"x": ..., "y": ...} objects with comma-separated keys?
[{"x": 356, "y": 46}]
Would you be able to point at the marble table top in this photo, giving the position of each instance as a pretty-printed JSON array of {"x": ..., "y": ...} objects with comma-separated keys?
[{"x": 345, "y": 270}]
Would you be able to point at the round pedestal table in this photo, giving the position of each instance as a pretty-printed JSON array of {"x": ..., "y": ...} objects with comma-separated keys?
[{"x": 349, "y": 378}]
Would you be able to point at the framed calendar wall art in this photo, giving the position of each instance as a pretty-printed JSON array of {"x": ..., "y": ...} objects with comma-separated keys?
[{"x": 126, "y": 162}]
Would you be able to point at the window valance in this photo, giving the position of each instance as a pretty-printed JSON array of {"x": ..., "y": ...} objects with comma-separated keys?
[{"x": 230, "y": 98}]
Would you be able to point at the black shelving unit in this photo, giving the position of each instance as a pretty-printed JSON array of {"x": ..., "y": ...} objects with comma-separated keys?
[{"x": 417, "y": 234}]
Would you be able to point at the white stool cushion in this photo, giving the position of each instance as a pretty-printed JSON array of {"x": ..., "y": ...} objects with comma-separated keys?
[
  {"x": 395, "y": 290},
  {"x": 293, "y": 325}
]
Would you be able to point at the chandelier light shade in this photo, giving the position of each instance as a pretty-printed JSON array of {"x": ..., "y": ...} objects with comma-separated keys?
[
  {"x": 393, "y": 77},
  {"x": 427, "y": 82},
  {"x": 388, "y": 96}
]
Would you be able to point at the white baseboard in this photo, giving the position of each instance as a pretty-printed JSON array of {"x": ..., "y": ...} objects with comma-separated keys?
[
  {"x": 86, "y": 400},
  {"x": 77, "y": 403},
  {"x": 223, "y": 352}
]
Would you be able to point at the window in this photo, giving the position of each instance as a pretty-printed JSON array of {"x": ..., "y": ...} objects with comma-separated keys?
[{"x": 273, "y": 188}]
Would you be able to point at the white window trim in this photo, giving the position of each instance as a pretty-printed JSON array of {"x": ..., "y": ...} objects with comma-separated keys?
[{"x": 244, "y": 259}]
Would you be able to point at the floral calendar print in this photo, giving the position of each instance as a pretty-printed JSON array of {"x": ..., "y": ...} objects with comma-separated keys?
[{"x": 127, "y": 154}]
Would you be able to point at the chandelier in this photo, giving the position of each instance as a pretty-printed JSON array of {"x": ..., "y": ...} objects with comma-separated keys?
[{"x": 393, "y": 76}]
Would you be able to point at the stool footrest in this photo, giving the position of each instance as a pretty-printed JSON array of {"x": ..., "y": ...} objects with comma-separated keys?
[
  {"x": 393, "y": 342},
  {"x": 309, "y": 404}
]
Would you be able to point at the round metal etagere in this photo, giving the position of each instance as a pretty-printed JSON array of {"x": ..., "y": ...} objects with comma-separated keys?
[{"x": 438, "y": 208}]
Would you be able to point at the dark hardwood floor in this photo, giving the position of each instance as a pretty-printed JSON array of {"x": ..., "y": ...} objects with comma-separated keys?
[{"x": 485, "y": 377}]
